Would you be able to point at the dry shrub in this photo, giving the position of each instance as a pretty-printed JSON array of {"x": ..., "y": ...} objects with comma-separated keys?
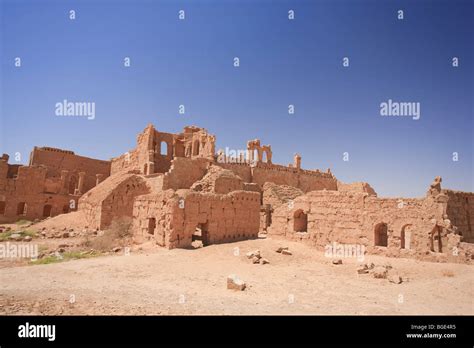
[{"x": 118, "y": 234}]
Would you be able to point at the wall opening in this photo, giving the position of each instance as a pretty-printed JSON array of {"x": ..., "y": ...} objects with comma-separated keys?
[
  {"x": 196, "y": 148},
  {"x": 151, "y": 226},
  {"x": 164, "y": 148},
  {"x": 21, "y": 209},
  {"x": 300, "y": 223},
  {"x": 436, "y": 244},
  {"x": 405, "y": 237},
  {"x": 200, "y": 236},
  {"x": 47, "y": 210},
  {"x": 264, "y": 157},
  {"x": 2, "y": 208},
  {"x": 381, "y": 235}
]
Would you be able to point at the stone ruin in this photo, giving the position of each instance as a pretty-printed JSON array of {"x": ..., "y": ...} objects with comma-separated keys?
[{"x": 178, "y": 190}]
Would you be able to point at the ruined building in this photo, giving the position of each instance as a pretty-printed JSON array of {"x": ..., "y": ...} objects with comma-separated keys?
[
  {"x": 50, "y": 185},
  {"x": 177, "y": 189}
]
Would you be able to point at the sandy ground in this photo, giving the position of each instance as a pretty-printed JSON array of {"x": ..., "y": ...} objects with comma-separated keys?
[{"x": 159, "y": 281}]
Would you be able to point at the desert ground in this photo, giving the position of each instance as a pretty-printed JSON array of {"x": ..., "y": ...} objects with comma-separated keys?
[{"x": 150, "y": 280}]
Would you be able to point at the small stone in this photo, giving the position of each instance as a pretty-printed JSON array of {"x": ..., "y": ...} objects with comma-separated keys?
[
  {"x": 255, "y": 259},
  {"x": 395, "y": 278},
  {"x": 252, "y": 254},
  {"x": 61, "y": 250},
  {"x": 380, "y": 272},
  {"x": 280, "y": 249},
  {"x": 116, "y": 249},
  {"x": 27, "y": 239},
  {"x": 234, "y": 283},
  {"x": 286, "y": 252},
  {"x": 15, "y": 236},
  {"x": 264, "y": 261},
  {"x": 337, "y": 262},
  {"x": 65, "y": 235}
]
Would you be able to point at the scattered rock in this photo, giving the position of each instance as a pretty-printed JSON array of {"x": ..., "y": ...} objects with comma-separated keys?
[
  {"x": 394, "y": 278},
  {"x": 16, "y": 237},
  {"x": 27, "y": 239},
  {"x": 380, "y": 272},
  {"x": 255, "y": 259},
  {"x": 337, "y": 262},
  {"x": 286, "y": 252},
  {"x": 365, "y": 268},
  {"x": 280, "y": 249},
  {"x": 65, "y": 235},
  {"x": 252, "y": 254},
  {"x": 234, "y": 283},
  {"x": 264, "y": 261},
  {"x": 61, "y": 250},
  {"x": 116, "y": 249}
]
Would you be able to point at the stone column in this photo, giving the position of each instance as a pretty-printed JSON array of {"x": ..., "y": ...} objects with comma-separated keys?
[
  {"x": 297, "y": 161},
  {"x": 64, "y": 174},
  {"x": 80, "y": 184}
]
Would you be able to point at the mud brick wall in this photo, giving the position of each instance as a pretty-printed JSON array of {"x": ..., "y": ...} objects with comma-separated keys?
[
  {"x": 352, "y": 218},
  {"x": 223, "y": 218},
  {"x": 111, "y": 199},
  {"x": 460, "y": 211},
  {"x": 184, "y": 172},
  {"x": 56, "y": 160}
]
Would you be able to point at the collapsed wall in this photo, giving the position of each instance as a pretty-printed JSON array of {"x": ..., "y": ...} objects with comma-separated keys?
[
  {"x": 460, "y": 210},
  {"x": 389, "y": 226},
  {"x": 50, "y": 185},
  {"x": 112, "y": 199},
  {"x": 176, "y": 219}
]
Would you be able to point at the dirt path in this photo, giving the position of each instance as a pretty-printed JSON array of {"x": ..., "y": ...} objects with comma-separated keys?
[{"x": 194, "y": 282}]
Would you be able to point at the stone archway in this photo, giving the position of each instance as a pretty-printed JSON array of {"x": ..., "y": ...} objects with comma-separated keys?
[{"x": 300, "y": 221}]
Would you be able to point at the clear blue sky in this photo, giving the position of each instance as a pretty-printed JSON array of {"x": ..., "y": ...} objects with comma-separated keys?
[{"x": 283, "y": 62}]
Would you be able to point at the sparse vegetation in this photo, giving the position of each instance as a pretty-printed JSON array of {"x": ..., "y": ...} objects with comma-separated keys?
[
  {"x": 4, "y": 236},
  {"x": 23, "y": 222},
  {"x": 67, "y": 256},
  {"x": 117, "y": 234}
]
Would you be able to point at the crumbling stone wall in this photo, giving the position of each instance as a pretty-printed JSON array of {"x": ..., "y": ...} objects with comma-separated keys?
[
  {"x": 412, "y": 226},
  {"x": 172, "y": 218},
  {"x": 50, "y": 185},
  {"x": 184, "y": 172},
  {"x": 57, "y": 161},
  {"x": 356, "y": 187},
  {"x": 460, "y": 210},
  {"x": 113, "y": 198}
]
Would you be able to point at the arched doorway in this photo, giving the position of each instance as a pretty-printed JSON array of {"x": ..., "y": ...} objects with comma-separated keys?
[
  {"x": 405, "y": 236},
  {"x": 300, "y": 221},
  {"x": 47, "y": 209},
  {"x": 381, "y": 234}
]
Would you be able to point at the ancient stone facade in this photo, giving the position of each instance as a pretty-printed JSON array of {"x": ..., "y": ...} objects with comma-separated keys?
[
  {"x": 177, "y": 190},
  {"x": 50, "y": 185}
]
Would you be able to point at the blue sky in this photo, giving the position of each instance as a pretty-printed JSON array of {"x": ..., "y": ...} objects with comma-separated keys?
[{"x": 282, "y": 62}]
